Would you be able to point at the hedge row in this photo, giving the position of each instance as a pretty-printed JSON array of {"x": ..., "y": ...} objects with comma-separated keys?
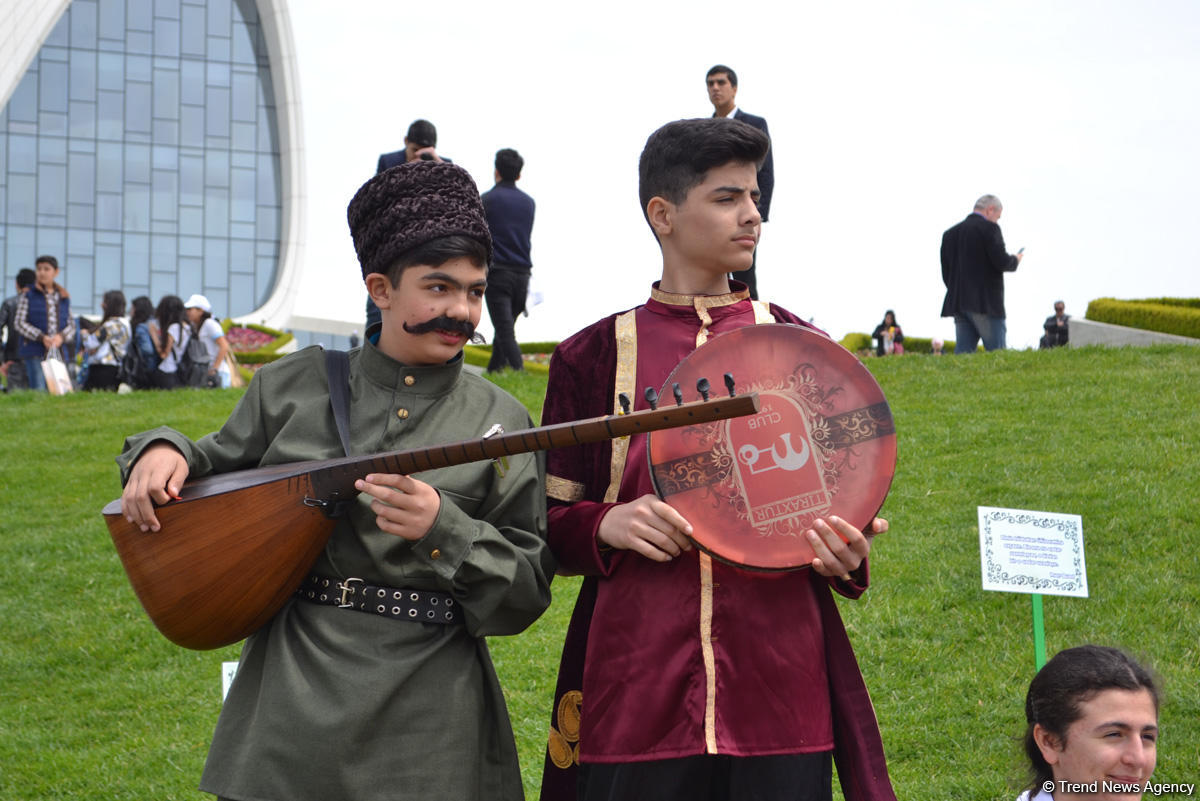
[
  {"x": 862, "y": 344},
  {"x": 1179, "y": 316},
  {"x": 480, "y": 355}
]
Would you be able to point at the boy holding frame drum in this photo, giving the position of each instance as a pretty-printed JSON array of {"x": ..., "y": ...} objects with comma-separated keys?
[{"x": 682, "y": 676}]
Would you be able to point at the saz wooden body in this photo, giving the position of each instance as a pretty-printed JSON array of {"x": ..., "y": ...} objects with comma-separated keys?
[{"x": 234, "y": 547}]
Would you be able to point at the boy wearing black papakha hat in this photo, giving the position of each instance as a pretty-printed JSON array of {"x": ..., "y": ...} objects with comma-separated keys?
[{"x": 345, "y": 704}]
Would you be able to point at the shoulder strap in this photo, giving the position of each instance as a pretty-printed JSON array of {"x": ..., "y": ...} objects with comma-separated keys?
[{"x": 337, "y": 367}]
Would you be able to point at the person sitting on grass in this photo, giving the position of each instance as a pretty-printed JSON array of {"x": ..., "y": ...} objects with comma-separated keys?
[
  {"x": 889, "y": 338},
  {"x": 174, "y": 331},
  {"x": 105, "y": 346},
  {"x": 1092, "y": 718},
  {"x": 198, "y": 311}
]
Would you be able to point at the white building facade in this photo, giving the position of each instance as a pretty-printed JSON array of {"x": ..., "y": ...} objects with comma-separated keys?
[{"x": 154, "y": 146}]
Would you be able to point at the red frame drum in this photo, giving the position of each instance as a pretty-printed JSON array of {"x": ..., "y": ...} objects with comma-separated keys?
[{"x": 823, "y": 443}]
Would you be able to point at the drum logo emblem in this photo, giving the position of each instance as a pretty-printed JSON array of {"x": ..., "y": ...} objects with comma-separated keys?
[{"x": 781, "y": 483}]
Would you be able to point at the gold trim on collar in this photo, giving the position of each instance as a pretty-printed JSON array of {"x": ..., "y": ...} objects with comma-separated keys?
[
  {"x": 560, "y": 489},
  {"x": 626, "y": 333},
  {"x": 762, "y": 312},
  {"x": 709, "y": 301}
]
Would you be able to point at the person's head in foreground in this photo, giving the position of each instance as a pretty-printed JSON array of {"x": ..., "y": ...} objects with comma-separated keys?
[
  {"x": 424, "y": 246},
  {"x": 698, "y": 186},
  {"x": 1092, "y": 715}
]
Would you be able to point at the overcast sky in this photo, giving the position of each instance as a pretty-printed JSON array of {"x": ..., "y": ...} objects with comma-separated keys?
[{"x": 888, "y": 120}]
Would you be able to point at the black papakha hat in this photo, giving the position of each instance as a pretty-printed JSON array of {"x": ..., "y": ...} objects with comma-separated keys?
[{"x": 411, "y": 204}]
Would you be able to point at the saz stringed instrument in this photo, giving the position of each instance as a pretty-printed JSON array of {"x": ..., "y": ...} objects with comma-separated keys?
[{"x": 234, "y": 547}]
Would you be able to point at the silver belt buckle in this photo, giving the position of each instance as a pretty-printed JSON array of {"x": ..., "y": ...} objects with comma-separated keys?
[{"x": 347, "y": 590}]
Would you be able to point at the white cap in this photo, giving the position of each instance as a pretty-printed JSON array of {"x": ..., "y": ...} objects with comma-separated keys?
[{"x": 198, "y": 302}]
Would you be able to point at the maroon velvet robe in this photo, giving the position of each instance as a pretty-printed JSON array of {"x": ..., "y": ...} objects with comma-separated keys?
[{"x": 692, "y": 656}]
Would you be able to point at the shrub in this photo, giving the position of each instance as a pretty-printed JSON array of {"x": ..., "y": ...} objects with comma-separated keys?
[
  {"x": 480, "y": 355},
  {"x": 863, "y": 345},
  {"x": 856, "y": 342},
  {"x": 1166, "y": 315}
]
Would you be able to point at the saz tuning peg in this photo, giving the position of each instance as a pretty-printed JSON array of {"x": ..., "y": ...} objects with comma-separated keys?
[
  {"x": 703, "y": 388},
  {"x": 678, "y": 393},
  {"x": 652, "y": 397},
  {"x": 729, "y": 383},
  {"x": 624, "y": 400}
]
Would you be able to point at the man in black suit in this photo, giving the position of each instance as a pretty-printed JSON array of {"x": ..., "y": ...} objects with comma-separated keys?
[
  {"x": 974, "y": 262},
  {"x": 419, "y": 143},
  {"x": 722, "y": 90}
]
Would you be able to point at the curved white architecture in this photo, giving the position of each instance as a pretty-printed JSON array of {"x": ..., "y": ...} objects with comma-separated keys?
[{"x": 155, "y": 148}]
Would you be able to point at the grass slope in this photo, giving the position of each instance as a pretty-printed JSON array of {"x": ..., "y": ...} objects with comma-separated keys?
[{"x": 95, "y": 704}]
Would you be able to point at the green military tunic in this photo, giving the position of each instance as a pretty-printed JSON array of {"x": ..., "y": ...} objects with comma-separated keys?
[{"x": 335, "y": 703}]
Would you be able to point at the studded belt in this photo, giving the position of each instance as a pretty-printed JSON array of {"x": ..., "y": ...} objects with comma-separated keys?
[{"x": 421, "y": 606}]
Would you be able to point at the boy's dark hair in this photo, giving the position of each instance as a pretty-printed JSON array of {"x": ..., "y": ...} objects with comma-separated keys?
[
  {"x": 422, "y": 133},
  {"x": 437, "y": 252},
  {"x": 678, "y": 155},
  {"x": 26, "y": 277},
  {"x": 509, "y": 164},
  {"x": 1073, "y": 677},
  {"x": 719, "y": 68},
  {"x": 53, "y": 262}
]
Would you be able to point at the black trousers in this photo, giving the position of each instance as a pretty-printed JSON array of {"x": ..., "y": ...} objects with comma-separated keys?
[
  {"x": 101, "y": 376},
  {"x": 786, "y": 777},
  {"x": 505, "y": 297},
  {"x": 163, "y": 380}
]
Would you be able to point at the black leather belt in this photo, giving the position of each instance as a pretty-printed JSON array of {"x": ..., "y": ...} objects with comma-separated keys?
[{"x": 420, "y": 606}]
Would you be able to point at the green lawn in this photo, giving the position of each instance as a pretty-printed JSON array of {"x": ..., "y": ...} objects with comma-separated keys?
[{"x": 95, "y": 704}]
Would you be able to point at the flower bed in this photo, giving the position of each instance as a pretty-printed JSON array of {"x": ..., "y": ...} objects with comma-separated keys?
[{"x": 244, "y": 340}]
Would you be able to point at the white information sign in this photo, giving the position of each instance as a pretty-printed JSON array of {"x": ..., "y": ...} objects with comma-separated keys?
[
  {"x": 1033, "y": 552},
  {"x": 228, "y": 671}
]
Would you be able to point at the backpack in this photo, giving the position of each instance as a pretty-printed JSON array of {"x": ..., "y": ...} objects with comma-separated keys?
[
  {"x": 133, "y": 370},
  {"x": 194, "y": 364}
]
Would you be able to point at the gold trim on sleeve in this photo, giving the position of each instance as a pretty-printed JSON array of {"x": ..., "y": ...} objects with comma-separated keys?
[
  {"x": 626, "y": 333},
  {"x": 560, "y": 489}
]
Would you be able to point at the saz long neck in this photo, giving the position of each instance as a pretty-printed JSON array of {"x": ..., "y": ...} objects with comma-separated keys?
[{"x": 336, "y": 479}]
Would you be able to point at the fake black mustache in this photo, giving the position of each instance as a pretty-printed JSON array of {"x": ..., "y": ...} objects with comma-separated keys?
[{"x": 444, "y": 323}]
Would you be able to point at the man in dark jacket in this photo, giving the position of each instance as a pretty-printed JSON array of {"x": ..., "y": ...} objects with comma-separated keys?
[
  {"x": 974, "y": 262},
  {"x": 722, "y": 85},
  {"x": 510, "y": 218},
  {"x": 1056, "y": 327},
  {"x": 12, "y": 367},
  {"x": 420, "y": 144}
]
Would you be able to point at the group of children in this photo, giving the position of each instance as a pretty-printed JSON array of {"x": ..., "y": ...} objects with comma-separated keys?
[
  {"x": 148, "y": 349},
  {"x": 682, "y": 677}
]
